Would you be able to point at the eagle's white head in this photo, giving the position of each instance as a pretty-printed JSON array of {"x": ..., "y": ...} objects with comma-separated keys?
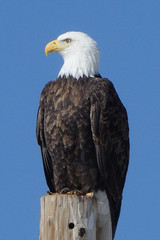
[{"x": 80, "y": 54}]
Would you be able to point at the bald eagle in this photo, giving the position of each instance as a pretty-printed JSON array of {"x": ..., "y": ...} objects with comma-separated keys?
[{"x": 82, "y": 127}]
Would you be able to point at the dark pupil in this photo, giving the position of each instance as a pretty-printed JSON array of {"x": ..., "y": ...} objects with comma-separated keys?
[{"x": 68, "y": 40}]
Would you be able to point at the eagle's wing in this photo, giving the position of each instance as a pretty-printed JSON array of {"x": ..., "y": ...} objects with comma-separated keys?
[
  {"x": 110, "y": 132},
  {"x": 47, "y": 161}
]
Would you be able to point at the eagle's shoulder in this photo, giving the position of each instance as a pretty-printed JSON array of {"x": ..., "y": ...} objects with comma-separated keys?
[
  {"x": 46, "y": 90},
  {"x": 103, "y": 93},
  {"x": 103, "y": 88}
]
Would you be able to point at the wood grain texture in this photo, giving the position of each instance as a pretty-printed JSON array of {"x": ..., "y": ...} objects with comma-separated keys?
[
  {"x": 66, "y": 217},
  {"x": 71, "y": 217}
]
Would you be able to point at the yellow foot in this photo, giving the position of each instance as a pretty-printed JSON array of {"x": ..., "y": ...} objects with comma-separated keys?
[{"x": 75, "y": 192}]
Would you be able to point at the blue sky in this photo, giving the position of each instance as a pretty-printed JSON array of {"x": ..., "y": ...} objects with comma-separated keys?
[{"x": 128, "y": 35}]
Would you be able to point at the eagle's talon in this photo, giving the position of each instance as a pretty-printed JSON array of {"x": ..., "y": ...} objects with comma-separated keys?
[
  {"x": 50, "y": 193},
  {"x": 65, "y": 190},
  {"x": 90, "y": 194},
  {"x": 75, "y": 192}
]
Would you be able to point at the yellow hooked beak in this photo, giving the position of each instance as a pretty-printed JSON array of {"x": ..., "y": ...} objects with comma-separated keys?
[{"x": 54, "y": 46}]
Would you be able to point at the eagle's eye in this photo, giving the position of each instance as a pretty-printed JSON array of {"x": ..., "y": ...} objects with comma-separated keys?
[{"x": 67, "y": 40}]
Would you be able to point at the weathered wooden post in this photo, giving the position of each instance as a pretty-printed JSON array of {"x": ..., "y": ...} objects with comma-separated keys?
[
  {"x": 70, "y": 217},
  {"x": 67, "y": 217}
]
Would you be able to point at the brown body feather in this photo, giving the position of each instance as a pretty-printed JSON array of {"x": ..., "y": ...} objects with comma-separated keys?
[{"x": 82, "y": 128}]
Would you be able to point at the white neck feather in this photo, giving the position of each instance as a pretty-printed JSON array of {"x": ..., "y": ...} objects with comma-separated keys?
[{"x": 79, "y": 65}]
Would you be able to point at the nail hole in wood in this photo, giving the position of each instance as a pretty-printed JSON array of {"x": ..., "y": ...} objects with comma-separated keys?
[{"x": 71, "y": 225}]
